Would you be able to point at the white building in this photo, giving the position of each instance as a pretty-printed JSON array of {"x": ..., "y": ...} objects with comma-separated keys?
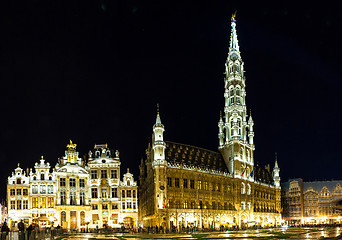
[{"x": 74, "y": 195}]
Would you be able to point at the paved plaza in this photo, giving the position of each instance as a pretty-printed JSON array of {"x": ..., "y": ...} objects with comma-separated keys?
[{"x": 290, "y": 233}]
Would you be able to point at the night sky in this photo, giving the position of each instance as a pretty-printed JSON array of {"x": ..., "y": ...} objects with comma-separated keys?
[{"x": 94, "y": 73}]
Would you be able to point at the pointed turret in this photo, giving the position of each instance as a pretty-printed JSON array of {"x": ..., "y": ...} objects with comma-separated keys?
[
  {"x": 250, "y": 127},
  {"x": 220, "y": 135},
  {"x": 276, "y": 170},
  {"x": 158, "y": 143}
]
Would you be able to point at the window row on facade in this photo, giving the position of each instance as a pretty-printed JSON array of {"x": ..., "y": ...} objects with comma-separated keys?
[
  {"x": 37, "y": 202},
  {"x": 103, "y": 174},
  {"x": 113, "y": 193}
]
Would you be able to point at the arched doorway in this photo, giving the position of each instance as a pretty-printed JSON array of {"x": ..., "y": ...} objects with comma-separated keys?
[{"x": 128, "y": 222}]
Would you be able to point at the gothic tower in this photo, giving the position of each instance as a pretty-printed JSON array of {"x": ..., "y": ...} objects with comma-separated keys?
[{"x": 235, "y": 131}]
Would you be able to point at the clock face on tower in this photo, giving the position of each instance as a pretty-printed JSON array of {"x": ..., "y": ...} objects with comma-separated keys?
[{"x": 233, "y": 56}]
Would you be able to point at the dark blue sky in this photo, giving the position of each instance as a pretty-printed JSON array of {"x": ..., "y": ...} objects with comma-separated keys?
[{"x": 94, "y": 72}]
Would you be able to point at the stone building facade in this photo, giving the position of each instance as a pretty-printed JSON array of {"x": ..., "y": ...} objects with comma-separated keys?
[
  {"x": 188, "y": 186},
  {"x": 317, "y": 202},
  {"x": 74, "y": 194}
]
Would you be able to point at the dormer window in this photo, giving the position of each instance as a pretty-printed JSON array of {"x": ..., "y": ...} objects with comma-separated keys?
[
  {"x": 42, "y": 176},
  {"x": 18, "y": 181},
  {"x": 128, "y": 183}
]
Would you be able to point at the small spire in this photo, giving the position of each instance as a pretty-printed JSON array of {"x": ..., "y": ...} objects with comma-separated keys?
[
  {"x": 276, "y": 160},
  {"x": 158, "y": 121},
  {"x": 127, "y": 170},
  {"x": 42, "y": 157},
  {"x": 234, "y": 45}
]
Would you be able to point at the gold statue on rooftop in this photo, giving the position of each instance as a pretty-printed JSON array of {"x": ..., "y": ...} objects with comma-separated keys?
[{"x": 71, "y": 146}]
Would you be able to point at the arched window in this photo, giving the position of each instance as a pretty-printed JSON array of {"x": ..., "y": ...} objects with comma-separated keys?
[
  {"x": 82, "y": 215},
  {"x": 249, "y": 189},
  {"x": 243, "y": 188},
  {"x": 63, "y": 218},
  {"x": 18, "y": 180}
]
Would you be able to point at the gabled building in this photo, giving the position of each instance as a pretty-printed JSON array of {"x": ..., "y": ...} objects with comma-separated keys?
[
  {"x": 188, "y": 186},
  {"x": 74, "y": 194},
  {"x": 112, "y": 201},
  {"x": 317, "y": 202}
]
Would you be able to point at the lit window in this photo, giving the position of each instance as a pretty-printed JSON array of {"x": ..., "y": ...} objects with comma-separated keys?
[
  {"x": 35, "y": 202},
  {"x": 42, "y": 202}
]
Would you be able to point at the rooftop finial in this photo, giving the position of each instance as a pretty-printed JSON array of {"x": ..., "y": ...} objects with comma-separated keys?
[
  {"x": 233, "y": 16},
  {"x": 71, "y": 145},
  {"x": 158, "y": 108},
  {"x": 220, "y": 114}
]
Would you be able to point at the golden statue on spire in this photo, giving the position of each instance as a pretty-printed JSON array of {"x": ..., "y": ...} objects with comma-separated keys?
[
  {"x": 233, "y": 16},
  {"x": 71, "y": 146}
]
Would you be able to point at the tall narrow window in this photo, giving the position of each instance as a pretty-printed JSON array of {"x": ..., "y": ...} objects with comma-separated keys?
[
  {"x": 42, "y": 202},
  {"x": 50, "y": 202},
  {"x": 114, "y": 173},
  {"x": 94, "y": 193},
  {"x": 35, "y": 202},
  {"x": 103, "y": 173},
  {"x": 82, "y": 198},
  {"x": 72, "y": 182},
  {"x": 177, "y": 182},
  {"x": 93, "y": 174},
  {"x": 12, "y": 204},
  {"x": 62, "y": 182},
  {"x": 18, "y": 204},
  {"x": 72, "y": 198},
  {"x": 128, "y": 193},
  {"x": 50, "y": 189},
  {"x": 63, "y": 198},
  {"x": 185, "y": 183},
  {"x": 82, "y": 183},
  {"x": 42, "y": 189},
  {"x": 82, "y": 215},
  {"x": 169, "y": 182},
  {"x": 25, "y": 204},
  {"x": 114, "y": 192}
]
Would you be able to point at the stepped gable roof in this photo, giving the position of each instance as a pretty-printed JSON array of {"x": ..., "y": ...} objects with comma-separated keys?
[
  {"x": 318, "y": 185},
  {"x": 194, "y": 156}
]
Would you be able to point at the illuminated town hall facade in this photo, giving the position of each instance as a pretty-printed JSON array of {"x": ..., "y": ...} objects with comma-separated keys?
[
  {"x": 187, "y": 186},
  {"x": 74, "y": 194}
]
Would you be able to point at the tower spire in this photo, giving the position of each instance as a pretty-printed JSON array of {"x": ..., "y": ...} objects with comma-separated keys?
[
  {"x": 158, "y": 121},
  {"x": 235, "y": 131},
  {"x": 234, "y": 44}
]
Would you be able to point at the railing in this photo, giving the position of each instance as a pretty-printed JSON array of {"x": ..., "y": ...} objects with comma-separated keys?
[{"x": 32, "y": 235}]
